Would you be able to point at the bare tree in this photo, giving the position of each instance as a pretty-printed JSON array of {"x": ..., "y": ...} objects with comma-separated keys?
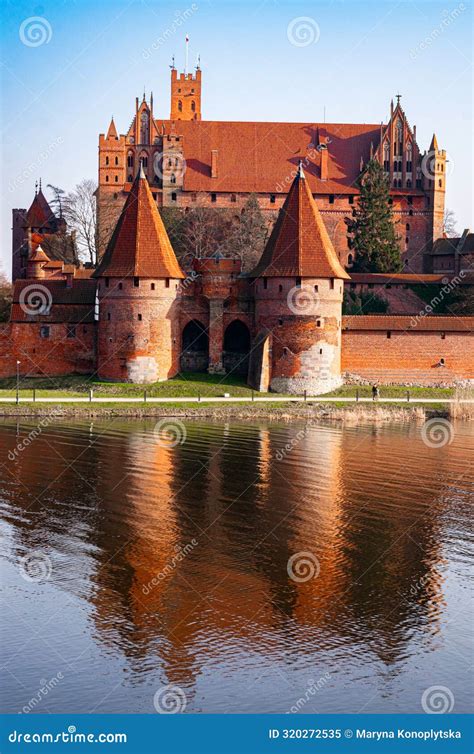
[
  {"x": 203, "y": 230},
  {"x": 80, "y": 213},
  {"x": 248, "y": 234},
  {"x": 449, "y": 225}
]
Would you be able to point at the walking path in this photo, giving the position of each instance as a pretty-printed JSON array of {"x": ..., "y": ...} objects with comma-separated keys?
[{"x": 233, "y": 399}]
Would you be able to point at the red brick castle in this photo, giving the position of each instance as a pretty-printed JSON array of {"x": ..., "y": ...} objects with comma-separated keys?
[
  {"x": 187, "y": 159},
  {"x": 142, "y": 317}
]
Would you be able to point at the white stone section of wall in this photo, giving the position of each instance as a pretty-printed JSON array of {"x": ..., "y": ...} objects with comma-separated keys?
[{"x": 142, "y": 370}]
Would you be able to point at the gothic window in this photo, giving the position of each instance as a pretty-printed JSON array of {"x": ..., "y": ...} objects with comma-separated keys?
[
  {"x": 116, "y": 179},
  {"x": 407, "y": 226},
  {"x": 116, "y": 160},
  {"x": 144, "y": 160},
  {"x": 409, "y": 158},
  {"x": 106, "y": 178},
  {"x": 130, "y": 178},
  {"x": 395, "y": 163},
  {"x": 398, "y": 138},
  {"x": 144, "y": 128},
  {"x": 173, "y": 178},
  {"x": 180, "y": 106},
  {"x": 193, "y": 106},
  {"x": 173, "y": 197},
  {"x": 386, "y": 156},
  {"x": 130, "y": 160},
  {"x": 169, "y": 163},
  {"x": 408, "y": 183},
  {"x": 106, "y": 160}
]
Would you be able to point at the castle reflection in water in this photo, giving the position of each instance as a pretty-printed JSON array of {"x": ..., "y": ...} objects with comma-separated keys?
[{"x": 180, "y": 555}]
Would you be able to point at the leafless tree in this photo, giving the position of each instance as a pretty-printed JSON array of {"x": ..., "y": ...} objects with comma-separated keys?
[
  {"x": 449, "y": 225},
  {"x": 5, "y": 297}
]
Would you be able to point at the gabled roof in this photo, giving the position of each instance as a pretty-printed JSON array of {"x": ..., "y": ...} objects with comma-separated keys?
[
  {"x": 40, "y": 213},
  {"x": 299, "y": 245},
  {"x": 262, "y": 157},
  {"x": 73, "y": 305},
  {"x": 140, "y": 246}
]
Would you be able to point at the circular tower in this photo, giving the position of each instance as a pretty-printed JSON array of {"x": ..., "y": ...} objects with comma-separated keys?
[
  {"x": 299, "y": 285},
  {"x": 138, "y": 286}
]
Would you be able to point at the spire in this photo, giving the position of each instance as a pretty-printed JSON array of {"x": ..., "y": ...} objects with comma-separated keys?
[
  {"x": 300, "y": 173},
  {"x": 112, "y": 131},
  {"x": 434, "y": 144},
  {"x": 140, "y": 246},
  {"x": 299, "y": 245},
  {"x": 40, "y": 213}
]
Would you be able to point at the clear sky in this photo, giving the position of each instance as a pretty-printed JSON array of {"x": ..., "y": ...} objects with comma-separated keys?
[{"x": 65, "y": 73}]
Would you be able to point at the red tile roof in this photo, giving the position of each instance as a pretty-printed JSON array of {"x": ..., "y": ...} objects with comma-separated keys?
[
  {"x": 74, "y": 304},
  {"x": 40, "y": 213},
  {"x": 140, "y": 246},
  {"x": 399, "y": 278},
  {"x": 400, "y": 322},
  {"x": 299, "y": 245},
  {"x": 264, "y": 157}
]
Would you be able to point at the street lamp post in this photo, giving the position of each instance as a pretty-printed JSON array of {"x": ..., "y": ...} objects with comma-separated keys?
[{"x": 18, "y": 381}]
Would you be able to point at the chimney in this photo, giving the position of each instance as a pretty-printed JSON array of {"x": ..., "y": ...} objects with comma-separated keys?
[
  {"x": 214, "y": 153},
  {"x": 324, "y": 162}
]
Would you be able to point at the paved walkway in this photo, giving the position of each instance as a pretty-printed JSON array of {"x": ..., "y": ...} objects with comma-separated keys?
[{"x": 234, "y": 399}]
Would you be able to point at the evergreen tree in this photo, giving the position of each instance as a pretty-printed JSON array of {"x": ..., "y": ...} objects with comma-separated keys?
[{"x": 373, "y": 235}]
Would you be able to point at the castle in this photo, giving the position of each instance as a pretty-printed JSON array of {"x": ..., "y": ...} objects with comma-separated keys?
[
  {"x": 141, "y": 317},
  {"x": 218, "y": 163}
]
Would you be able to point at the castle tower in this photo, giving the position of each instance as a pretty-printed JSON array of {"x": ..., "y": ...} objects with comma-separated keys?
[
  {"x": 299, "y": 284},
  {"x": 138, "y": 282},
  {"x": 185, "y": 95},
  {"x": 433, "y": 167},
  {"x": 36, "y": 263}
]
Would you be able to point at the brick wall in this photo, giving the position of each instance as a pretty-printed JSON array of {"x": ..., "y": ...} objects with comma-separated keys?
[
  {"x": 55, "y": 355},
  {"x": 408, "y": 357}
]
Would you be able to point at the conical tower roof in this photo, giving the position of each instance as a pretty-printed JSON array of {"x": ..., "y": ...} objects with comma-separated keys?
[
  {"x": 40, "y": 213},
  {"x": 112, "y": 132},
  {"x": 299, "y": 245},
  {"x": 39, "y": 256},
  {"x": 434, "y": 144},
  {"x": 140, "y": 246}
]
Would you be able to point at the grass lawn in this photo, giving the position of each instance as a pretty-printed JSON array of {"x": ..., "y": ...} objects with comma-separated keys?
[{"x": 189, "y": 384}]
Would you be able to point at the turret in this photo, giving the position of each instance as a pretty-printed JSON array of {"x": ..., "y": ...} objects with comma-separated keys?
[
  {"x": 298, "y": 286},
  {"x": 185, "y": 95},
  {"x": 433, "y": 168},
  {"x": 138, "y": 285}
]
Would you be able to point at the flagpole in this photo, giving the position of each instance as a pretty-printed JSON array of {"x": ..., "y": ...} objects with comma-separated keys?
[{"x": 187, "y": 55}]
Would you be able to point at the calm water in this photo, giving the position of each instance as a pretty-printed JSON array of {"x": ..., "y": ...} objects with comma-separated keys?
[{"x": 109, "y": 613}]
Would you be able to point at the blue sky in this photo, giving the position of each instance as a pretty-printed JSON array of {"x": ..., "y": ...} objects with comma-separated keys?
[{"x": 95, "y": 57}]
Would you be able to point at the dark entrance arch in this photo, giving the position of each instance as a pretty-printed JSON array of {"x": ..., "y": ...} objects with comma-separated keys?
[
  {"x": 194, "y": 347},
  {"x": 237, "y": 348}
]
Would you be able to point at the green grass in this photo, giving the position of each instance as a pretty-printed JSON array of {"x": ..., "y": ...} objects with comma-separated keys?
[
  {"x": 393, "y": 391},
  {"x": 190, "y": 385}
]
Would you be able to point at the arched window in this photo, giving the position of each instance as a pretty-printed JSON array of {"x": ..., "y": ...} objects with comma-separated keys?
[
  {"x": 350, "y": 259},
  {"x": 398, "y": 138},
  {"x": 386, "y": 156},
  {"x": 193, "y": 106},
  {"x": 144, "y": 160},
  {"x": 130, "y": 160},
  {"x": 408, "y": 183},
  {"x": 180, "y": 106},
  {"x": 173, "y": 178},
  {"x": 106, "y": 178},
  {"x": 106, "y": 160},
  {"x": 116, "y": 160},
  {"x": 144, "y": 127},
  {"x": 407, "y": 226}
]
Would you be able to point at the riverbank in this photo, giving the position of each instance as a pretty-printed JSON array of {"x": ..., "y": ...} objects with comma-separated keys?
[{"x": 281, "y": 411}]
